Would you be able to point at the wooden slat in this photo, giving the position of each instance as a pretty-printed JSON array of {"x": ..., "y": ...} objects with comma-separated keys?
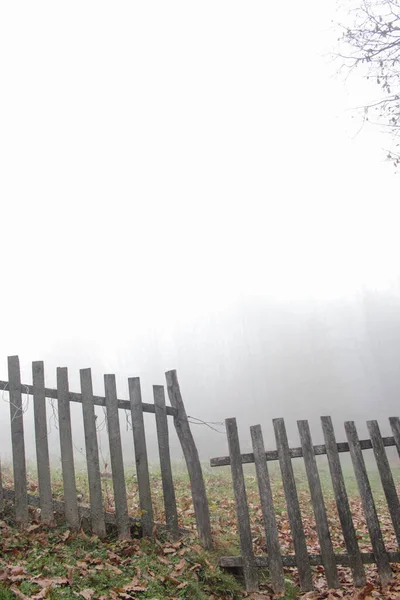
[
  {"x": 42, "y": 446},
  {"x": 289, "y": 560},
  {"x": 292, "y": 501},
  {"x": 267, "y": 507},
  {"x": 117, "y": 462},
  {"x": 97, "y": 400},
  {"x": 67, "y": 453},
  {"x": 242, "y": 509},
  {"x": 395, "y": 425},
  {"x": 142, "y": 465},
  {"x": 342, "y": 503},
  {"x": 17, "y": 440},
  {"x": 385, "y": 473},
  {"x": 318, "y": 505},
  {"x": 92, "y": 454},
  {"x": 189, "y": 449},
  {"x": 319, "y": 450},
  {"x": 378, "y": 546},
  {"x": 171, "y": 515}
]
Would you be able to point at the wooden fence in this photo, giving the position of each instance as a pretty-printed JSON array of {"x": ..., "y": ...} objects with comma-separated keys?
[
  {"x": 274, "y": 560},
  {"x": 73, "y": 511}
]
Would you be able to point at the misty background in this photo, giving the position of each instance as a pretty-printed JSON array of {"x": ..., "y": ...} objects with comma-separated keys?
[{"x": 184, "y": 187}]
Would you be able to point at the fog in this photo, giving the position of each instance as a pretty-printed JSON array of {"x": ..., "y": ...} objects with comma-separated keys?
[
  {"x": 182, "y": 188},
  {"x": 255, "y": 361}
]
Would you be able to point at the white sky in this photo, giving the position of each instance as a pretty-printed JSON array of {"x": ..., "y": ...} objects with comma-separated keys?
[{"x": 160, "y": 160}]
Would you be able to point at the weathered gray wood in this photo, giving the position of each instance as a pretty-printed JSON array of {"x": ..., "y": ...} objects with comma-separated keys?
[
  {"x": 189, "y": 449},
  {"x": 242, "y": 509},
  {"x": 292, "y": 501},
  {"x": 385, "y": 473},
  {"x": 84, "y": 513},
  {"x": 142, "y": 465},
  {"x": 395, "y": 425},
  {"x": 92, "y": 454},
  {"x": 289, "y": 560},
  {"x": 171, "y": 515},
  {"x": 317, "y": 499},
  {"x": 42, "y": 446},
  {"x": 67, "y": 453},
  {"x": 117, "y": 462},
  {"x": 320, "y": 449},
  {"x": 267, "y": 507},
  {"x": 97, "y": 400},
  {"x": 367, "y": 500},
  {"x": 342, "y": 503},
  {"x": 17, "y": 440}
]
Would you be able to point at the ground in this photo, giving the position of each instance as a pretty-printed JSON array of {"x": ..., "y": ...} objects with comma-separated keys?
[{"x": 52, "y": 562}]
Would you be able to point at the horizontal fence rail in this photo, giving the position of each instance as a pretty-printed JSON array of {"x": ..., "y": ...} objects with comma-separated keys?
[
  {"x": 319, "y": 450},
  {"x": 26, "y": 388},
  {"x": 328, "y": 558}
]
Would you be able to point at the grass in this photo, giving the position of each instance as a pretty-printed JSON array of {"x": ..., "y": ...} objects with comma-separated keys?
[{"x": 90, "y": 568}]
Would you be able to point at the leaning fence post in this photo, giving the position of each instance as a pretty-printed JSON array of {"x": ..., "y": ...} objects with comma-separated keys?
[
  {"x": 192, "y": 459},
  {"x": 17, "y": 439}
]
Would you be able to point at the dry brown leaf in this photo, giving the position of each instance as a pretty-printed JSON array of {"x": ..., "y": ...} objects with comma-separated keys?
[
  {"x": 53, "y": 581},
  {"x": 88, "y": 593}
]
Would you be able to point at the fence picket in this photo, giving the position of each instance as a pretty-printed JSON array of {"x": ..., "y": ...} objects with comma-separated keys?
[
  {"x": 42, "y": 446},
  {"x": 92, "y": 454},
  {"x": 267, "y": 507},
  {"x": 385, "y": 473},
  {"x": 342, "y": 503},
  {"x": 142, "y": 465},
  {"x": 242, "y": 509},
  {"x": 117, "y": 462},
  {"x": 317, "y": 498},
  {"x": 189, "y": 449},
  {"x": 17, "y": 440},
  {"x": 292, "y": 501},
  {"x": 171, "y": 515},
  {"x": 395, "y": 425},
  {"x": 67, "y": 453},
  {"x": 382, "y": 561}
]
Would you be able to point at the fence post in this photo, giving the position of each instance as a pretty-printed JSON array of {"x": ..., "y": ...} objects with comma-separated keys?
[
  {"x": 42, "y": 446},
  {"x": 199, "y": 495},
  {"x": 368, "y": 504},
  {"x": 92, "y": 455},
  {"x": 17, "y": 439},
  {"x": 242, "y": 509},
  {"x": 342, "y": 503},
  {"x": 142, "y": 465},
  {"x": 67, "y": 452},
  {"x": 117, "y": 461},
  {"x": 293, "y": 506},
  {"x": 171, "y": 515}
]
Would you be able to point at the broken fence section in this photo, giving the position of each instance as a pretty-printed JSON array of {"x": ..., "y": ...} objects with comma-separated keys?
[{"x": 275, "y": 560}]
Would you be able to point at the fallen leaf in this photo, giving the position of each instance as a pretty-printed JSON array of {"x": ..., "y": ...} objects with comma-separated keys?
[{"x": 88, "y": 593}]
